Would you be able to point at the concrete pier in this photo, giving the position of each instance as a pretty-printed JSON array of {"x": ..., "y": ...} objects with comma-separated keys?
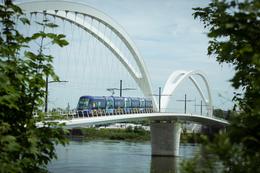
[{"x": 165, "y": 138}]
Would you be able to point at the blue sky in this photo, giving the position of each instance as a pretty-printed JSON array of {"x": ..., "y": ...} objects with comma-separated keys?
[{"x": 169, "y": 39}]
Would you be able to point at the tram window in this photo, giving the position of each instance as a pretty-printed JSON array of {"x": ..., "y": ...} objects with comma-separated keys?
[
  {"x": 110, "y": 104},
  {"x": 135, "y": 103},
  {"x": 83, "y": 103},
  {"x": 119, "y": 103},
  {"x": 98, "y": 104},
  {"x": 142, "y": 103},
  {"x": 127, "y": 103},
  {"x": 94, "y": 104}
]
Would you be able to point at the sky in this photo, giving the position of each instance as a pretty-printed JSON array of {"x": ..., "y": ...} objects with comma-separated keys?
[{"x": 170, "y": 39}]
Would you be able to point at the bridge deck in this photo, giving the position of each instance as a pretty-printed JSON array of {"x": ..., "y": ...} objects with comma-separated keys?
[{"x": 85, "y": 121}]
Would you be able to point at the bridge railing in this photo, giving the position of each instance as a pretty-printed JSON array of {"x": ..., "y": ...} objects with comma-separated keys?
[
  {"x": 99, "y": 113},
  {"x": 74, "y": 114}
]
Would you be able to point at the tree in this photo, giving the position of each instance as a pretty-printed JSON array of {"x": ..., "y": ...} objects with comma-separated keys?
[
  {"x": 218, "y": 113},
  {"x": 234, "y": 33},
  {"x": 24, "y": 147},
  {"x": 223, "y": 114}
]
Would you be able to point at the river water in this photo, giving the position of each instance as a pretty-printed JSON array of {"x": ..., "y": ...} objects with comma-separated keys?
[{"x": 111, "y": 156}]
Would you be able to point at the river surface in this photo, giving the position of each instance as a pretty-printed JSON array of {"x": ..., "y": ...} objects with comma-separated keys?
[{"x": 111, "y": 156}]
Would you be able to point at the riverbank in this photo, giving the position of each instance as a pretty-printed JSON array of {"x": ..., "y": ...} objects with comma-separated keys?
[{"x": 128, "y": 134}]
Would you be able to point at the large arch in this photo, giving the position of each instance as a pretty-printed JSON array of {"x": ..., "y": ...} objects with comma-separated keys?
[
  {"x": 142, "y": 78},
  {"x": 100, "y": 37},
  {"x": 176, "y": 78}
]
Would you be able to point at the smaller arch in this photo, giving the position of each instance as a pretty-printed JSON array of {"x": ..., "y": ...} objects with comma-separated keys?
[{"x": 176, "y": 78}]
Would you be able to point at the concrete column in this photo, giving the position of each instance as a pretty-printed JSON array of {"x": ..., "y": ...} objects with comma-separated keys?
[
  {"x": 164, "y": 164},
  {"x": 165, "y": 138}
]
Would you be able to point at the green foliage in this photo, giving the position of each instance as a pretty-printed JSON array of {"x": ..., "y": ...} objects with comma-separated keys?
[
  {"x": 130, "y": 134},
  {"x": 224, "y": 114},
  {"x": 218, "y": 113},
  {"x": 234, "y": 32},
  {"x": 191, "y": 137},
  {"x": 23, "y": 146}
]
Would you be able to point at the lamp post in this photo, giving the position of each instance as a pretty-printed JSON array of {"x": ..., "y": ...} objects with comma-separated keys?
[
  {"x": 160, "y": 96},
  {"x": 185, "y": 102},
  {"x": 47, "y": 91},
  {"x": 121, "y": 89},
  {"x": 200, "y": 105}
]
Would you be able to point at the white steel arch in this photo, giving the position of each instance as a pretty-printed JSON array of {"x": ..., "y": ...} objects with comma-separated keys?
[
  {"x": 176, "y": 78},
  {"x": 99, "y": 36},
  {"x": 142, "y": 78}
]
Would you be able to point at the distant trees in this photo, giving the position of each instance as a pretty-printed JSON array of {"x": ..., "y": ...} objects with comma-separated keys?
[
  {"x": 23, "y": 146},
  {"x": 234, "y": 33},
  {"x": 225, "y": 114}
]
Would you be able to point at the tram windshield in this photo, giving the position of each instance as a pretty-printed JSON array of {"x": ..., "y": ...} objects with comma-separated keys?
[{"x": 83, "y": 103}]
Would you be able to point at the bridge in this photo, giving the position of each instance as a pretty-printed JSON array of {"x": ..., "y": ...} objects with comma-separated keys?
[
  {"x": 165, "y": 125},
  {"x": 156, "y": 116}
]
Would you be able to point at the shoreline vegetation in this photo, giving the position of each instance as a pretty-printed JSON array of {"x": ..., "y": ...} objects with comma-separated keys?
[{"x": 128, "y": 134}]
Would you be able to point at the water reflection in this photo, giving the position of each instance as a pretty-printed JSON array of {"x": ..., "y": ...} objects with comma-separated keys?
[
  {"x": 115, "y": 157},
  {"x": 164, "y": 164}
]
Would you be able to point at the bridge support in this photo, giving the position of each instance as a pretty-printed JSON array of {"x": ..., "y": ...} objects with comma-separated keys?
[{"x": 165, "y": 138}]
